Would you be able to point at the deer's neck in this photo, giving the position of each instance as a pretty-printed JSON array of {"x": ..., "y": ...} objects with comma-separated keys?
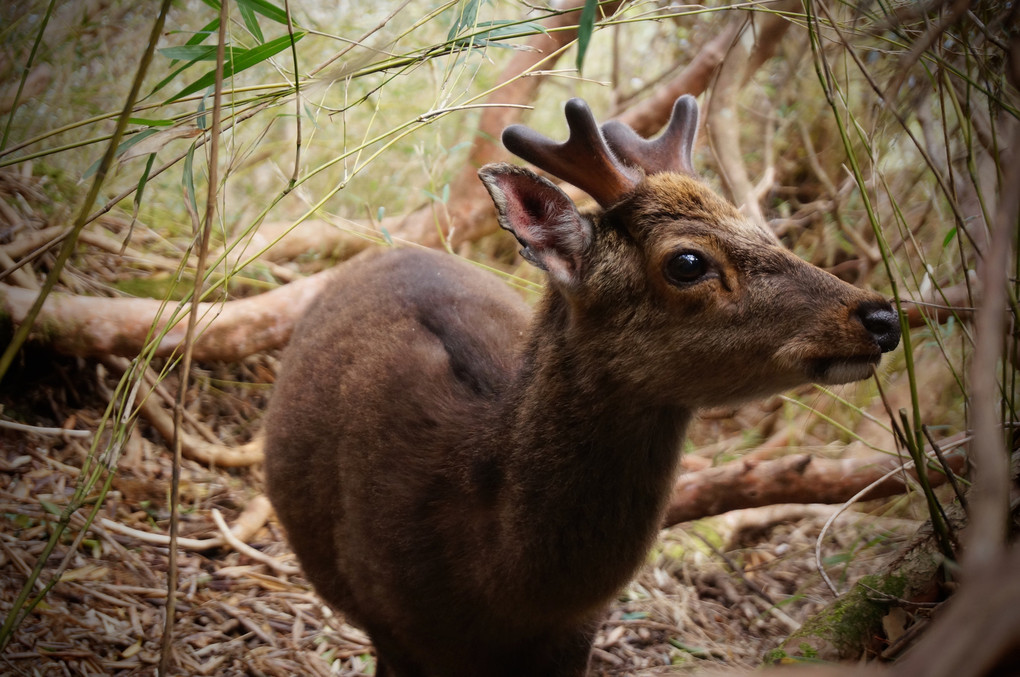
[{"x": 591, "y": 465}]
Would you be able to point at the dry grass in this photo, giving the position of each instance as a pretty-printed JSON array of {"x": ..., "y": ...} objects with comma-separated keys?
[{"x": 692, "y": 607}]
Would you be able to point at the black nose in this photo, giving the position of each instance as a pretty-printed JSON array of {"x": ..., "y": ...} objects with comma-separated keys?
[{"x": 882, "y": 323}]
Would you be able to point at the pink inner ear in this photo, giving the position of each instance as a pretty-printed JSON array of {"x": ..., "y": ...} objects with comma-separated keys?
[
  {"x": 527, "y": 213},
  {"x": 541, "y": 217}
]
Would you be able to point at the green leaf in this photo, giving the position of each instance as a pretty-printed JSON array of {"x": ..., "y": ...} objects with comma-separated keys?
[
  {"x": 195, "y": 53},
  {"x": 498, "y": 29},
  {"x": 199, "y": 36},
  {"x": 49, "y": 507},
  {"x": 839, "y": 558},
  {"x": 151, "y": 123},
  {"x": 242, "y": 60},
  {"x": 143, "y": 180},
  {"x": 188, "y": 178},
  {"x": 949, "y": 237},
  {"x": 209, "y": 29},
  {"x": 467, "y": 15},
  {"x": 267, "y": 9},
  {"x": 251, "y": 21},
  {"x": 504, "y": 27},
  {"x": 585, "y": 27},
  {"x": 124, "y": 145},
  {"x": 200, "y": 120}
]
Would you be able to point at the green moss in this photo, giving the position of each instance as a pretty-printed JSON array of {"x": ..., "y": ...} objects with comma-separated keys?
[{"x": 852, "y": 620}]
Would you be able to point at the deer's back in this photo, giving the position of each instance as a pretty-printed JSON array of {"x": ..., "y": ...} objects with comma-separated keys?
[{"x": 382, "y": 381}]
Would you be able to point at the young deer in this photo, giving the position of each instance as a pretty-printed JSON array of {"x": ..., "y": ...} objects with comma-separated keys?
[{"x": 471, "y": 486}]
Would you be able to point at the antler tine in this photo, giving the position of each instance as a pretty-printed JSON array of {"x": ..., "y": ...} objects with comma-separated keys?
[
  {"x": 584, "y": 159},
  {"x": 671, "y": 152}
]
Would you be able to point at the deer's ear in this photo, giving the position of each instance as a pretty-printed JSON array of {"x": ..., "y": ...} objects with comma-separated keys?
[{"x": 553, "y": 235}]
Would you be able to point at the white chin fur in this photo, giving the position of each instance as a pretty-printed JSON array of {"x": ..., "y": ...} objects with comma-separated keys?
[{"x": 845, "y": 372}]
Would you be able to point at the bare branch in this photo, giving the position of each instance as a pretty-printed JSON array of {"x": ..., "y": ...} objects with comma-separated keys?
[{"x": 800, "y": 478}]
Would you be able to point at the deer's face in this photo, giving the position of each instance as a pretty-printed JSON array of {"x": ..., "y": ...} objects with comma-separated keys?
[
  {"x": 728, "y": 312},
  {"x": 676, "y": 294}
]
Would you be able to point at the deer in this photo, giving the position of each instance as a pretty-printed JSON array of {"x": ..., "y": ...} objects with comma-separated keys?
[{"x": 470, "y": 481}]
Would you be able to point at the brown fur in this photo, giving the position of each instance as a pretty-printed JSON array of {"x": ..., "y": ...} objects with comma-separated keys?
[{"x": 473, "y": 487}]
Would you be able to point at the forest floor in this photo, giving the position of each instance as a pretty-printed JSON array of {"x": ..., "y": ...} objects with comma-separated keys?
[{"x": 715, "y": 593}]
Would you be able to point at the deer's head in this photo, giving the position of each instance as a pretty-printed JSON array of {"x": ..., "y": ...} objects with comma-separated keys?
[{"x": 676, "y": 292}]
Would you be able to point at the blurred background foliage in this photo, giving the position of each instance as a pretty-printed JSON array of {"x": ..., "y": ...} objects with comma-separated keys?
[{"x": 875, "y": 137}]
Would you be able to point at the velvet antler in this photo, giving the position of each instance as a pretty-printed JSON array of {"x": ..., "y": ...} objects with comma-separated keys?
[
  {"x": 584, "y": 159},
  {"x": 670, "y": 152}
]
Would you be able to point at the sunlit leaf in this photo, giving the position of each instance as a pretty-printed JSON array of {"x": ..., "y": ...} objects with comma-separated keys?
[{"x": 243, "y": 59}]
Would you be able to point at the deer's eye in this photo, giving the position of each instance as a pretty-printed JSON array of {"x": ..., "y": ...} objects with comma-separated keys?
[{"x": 686, "y": 267}]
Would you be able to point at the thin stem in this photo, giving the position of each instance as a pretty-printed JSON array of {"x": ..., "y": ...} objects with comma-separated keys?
[
  {"x": 25, "y": 73},
  {"x": 189, "y": 344}
]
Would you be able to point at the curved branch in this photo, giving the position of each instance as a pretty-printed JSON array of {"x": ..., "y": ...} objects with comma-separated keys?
[
  {"x": 800, "y": 478},
  {"x": 94, "y": 327}
]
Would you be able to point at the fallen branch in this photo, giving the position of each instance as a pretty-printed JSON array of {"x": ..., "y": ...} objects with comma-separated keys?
[
  {"x": 192, "y": 447},
  {"x": 254, "y": 516},
  {"x": 93, "y": 327},
  {"x": 237, "y": 543},
  {"x": 800, "y": 478}
]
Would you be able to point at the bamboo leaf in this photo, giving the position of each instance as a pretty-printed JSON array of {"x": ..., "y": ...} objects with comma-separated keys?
[
  {"x": 188, "y": 178},
  {"x": 251, "y": 22},
  {"x": 121, "y": 149},
  {"x": 153, "y": 143},
  {"x": 499, "y": 29},
  {"x": 142, "y": 181},
  {"x": 148, "y": 122},
  {"x": 242, "y": 60},
  {"x": 266, "y": 9},
  {"x": 50, "y": 507},
  {"x": 467, "y": 15},
  {"x": 207, "y": 30},
  {"x": 585, "y": 28},
  {"x": 195, "y": 53},
  {"x": 949, "y": 237}
]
